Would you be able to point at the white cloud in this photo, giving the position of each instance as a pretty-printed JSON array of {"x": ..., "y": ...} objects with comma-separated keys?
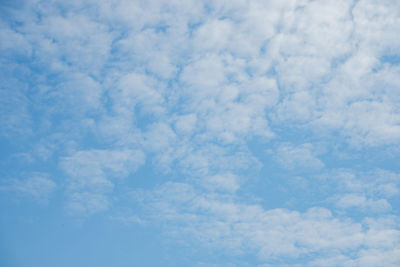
[
  {"x": 300, "y": 157},
  {"x": 364, "y": 192},
  {"x": 138, "y": 90},
  {"x": 359, "y": 201},
  {"x": 91, "y": 173},
  {"x": 229, "y": 104},
  {"x": 320, "y": 53},
  {"x": 86, "y": 203},
  {"x": 117, "y": 163},
  {"x": 191, "y": 84},
  {"x": 75, "y": 39},
  {"x": 185, "y": 124},
  {"x": 14, "y": 42},
  {"x": 214, "y": 36},
  {"x": 376, "y": 183},
  {"x": 326, "y": 64},
  {"x": 14, "y": 113},
  {"x": 222, "y": 182},
  {"x": 213, "y": 159},
  {"x": 128, "y": 219},
  {"x": 77, "y": 89},
  {"x": 220, "y": 222},
  {"x": 39, "y": 187}
]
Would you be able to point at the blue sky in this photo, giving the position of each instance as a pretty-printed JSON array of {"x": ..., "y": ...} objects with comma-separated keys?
[{"x": 199, "y": 133}]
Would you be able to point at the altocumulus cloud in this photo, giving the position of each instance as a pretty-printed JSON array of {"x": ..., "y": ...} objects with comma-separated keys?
[{"x": 200, "y": 119}]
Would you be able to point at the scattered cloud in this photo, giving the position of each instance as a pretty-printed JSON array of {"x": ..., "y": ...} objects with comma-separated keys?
[
  {"x": 195, "y": 93},
  {"x": 230, "y": 226},
  {"x": 295, "y": 157},
  {"x": 90, "y": 174},
  {"x": 38, "y": 187},
  {"x": 359, "y": 201}
]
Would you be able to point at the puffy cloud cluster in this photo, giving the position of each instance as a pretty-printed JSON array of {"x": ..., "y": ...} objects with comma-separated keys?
[
  {"x": 89, "y": 174},
  {"x": 206, "y": 92},
  {"x": 226, "y": 224}
]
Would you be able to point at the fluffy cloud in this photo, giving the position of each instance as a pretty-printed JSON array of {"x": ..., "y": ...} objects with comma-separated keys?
[
  {"x": 297, "y": 157},
  {"x": 224, "y": 224},
  {"x": 200, "y": 90},
  {"x": 89, "y": 176},
  {"x": 360, "y": 201}
]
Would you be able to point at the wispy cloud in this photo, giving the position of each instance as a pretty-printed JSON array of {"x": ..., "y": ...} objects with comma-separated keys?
[
  {"x": 89, "y": 173},
  {"x": 37, "y": 187}
]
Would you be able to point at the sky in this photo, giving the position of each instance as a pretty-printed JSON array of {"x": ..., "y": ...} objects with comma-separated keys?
[{"x": 199, "y": 133}]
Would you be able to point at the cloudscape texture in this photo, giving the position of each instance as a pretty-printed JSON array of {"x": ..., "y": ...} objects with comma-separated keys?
[{"x": 199, "y": 133}]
